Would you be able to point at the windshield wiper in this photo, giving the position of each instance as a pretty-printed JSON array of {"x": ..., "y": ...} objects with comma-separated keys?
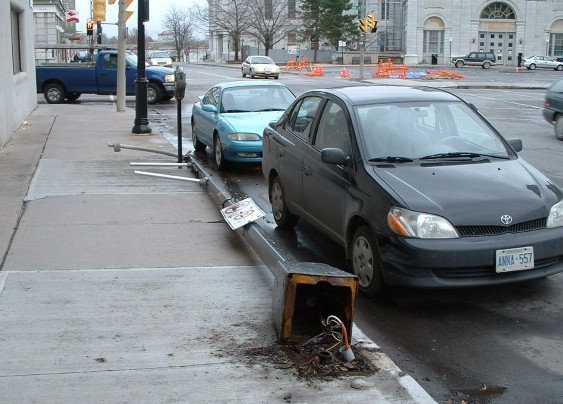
[
  {"x": 391, "y": 159},
  {"x": 459, "y": 154},
  {"x": 270, "y": 109}
]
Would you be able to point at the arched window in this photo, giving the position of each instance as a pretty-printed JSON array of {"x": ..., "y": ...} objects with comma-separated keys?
[
  {"x": 498, "y": 11},
  {"x": 433, "y": 36}
]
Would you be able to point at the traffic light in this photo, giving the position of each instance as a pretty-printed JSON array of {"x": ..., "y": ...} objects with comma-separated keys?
[
  {"x": 364, "y": 24},
  {"x": 99, "y": 10},
  {"x": 90, "y": 28},
  {"x": 372, "y": 23},
  {"x": 127, "y": 12}
]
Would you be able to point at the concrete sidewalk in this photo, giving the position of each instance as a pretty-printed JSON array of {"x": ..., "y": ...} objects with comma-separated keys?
[{"x": 117, "y": 287}]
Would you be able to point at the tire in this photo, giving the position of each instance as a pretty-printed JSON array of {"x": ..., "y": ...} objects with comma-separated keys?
[
  {"x": 366, "y": 264},
  {"x": 559, "y": 127},
  {"x": 73, "y": 96},
  {"x": 277, "y": 77},
  {"x": 486, "y": 65},
  {"x": 243, "y": 73},
  {"x": 283, "y": 217},
  {"x": 154, "y": 94},
  {"x": 559, "y": 68},
  {"x": 54, "y": 93},
  {"x": 218, "y": 153},
  {"x": 459, "y": 64},
  {"x": 251, "y": 74},
  {"x": 532, "y": 67},
  {"x": 198, "y": 145}
]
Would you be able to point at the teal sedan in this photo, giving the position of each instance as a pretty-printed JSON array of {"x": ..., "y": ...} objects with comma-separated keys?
[{"x": 230, "y": 119}]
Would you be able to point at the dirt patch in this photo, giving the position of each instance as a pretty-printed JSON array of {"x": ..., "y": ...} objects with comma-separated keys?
[{"x": 309, "y": 362}]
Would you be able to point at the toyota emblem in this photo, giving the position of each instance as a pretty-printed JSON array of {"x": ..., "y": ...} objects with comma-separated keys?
[{"x": 506, "y": 219}]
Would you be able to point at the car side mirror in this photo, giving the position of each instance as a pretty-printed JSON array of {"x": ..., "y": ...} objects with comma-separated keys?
[
  {"x": 209, "y": 108},
  {"x": 332, "y": 155},
  {"x": 516, "y": 144}
]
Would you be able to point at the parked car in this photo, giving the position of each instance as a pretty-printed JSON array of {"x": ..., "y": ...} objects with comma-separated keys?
[
  {"x": 541, "y": 62},
  {"x": 160, "y": 58},
  {"x": 483, "y": 59},
  {"x": 419, "y": 188},
  {"x": 260, "y": 66},
  {"x": 553, "y": 107},
  {"x": 230, "y": 118},
  {"x": 69, "y": 81}
]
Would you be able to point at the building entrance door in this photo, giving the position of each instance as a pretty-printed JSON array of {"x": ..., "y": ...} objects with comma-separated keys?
[{"x": 502, "y": 44}]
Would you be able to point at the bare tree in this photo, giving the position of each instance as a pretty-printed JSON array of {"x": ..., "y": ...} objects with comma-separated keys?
[
  {"x": 271, "y": 23},
  {"x": 181, "y": 24},
  {"x": 232, "y": 18}
]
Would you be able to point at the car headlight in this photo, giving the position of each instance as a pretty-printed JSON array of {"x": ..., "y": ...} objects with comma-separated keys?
[
  {"x": 169, "y": 78},
  {"x": 555, "y": 218},
  {"x": 420, "y": 225},
  {"x": 243, "y": 136}
]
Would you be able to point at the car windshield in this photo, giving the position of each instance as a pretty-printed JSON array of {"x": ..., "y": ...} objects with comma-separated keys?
[
  {"x": 402, "y": 132},
  {"x": 262, "y": 60},
  {"x": 160, "y": 55},
  {"x": 256, "y": 99}
]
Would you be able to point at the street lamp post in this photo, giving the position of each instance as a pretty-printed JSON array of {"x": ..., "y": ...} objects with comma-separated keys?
[
  {"x": 450, "y": 59},
  {"x": 546, "y": 46},
  {"x": 141, "y": 125}
]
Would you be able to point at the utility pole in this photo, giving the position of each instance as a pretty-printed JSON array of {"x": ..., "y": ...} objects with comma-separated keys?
[
  {"x": 121, "y": 63},
  {"x": 362, "y": 42}
]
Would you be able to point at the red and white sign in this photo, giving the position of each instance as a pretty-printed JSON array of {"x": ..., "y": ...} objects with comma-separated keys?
[
  {"x": 240, "y": 213},
  {"x": 71, "y": 16}
]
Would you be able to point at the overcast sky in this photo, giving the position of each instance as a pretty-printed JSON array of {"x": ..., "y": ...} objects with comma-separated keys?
[{"x": 157, "y": 10}]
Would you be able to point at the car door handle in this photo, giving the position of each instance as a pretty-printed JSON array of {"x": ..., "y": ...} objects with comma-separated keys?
[{"x": 307, "y": 170}]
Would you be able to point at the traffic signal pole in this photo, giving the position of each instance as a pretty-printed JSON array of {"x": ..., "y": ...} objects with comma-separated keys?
[
  {"x": 121, "y": 65},
  {"x": 141, "y": 125}
]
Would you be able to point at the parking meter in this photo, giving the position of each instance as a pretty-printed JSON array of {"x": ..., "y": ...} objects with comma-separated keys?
[
  {"x": 179, "y": 91},
  {"x": 179, "y": 83}
]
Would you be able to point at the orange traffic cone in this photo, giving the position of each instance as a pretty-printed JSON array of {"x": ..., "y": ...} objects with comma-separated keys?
[{"x": 345, "y": 74}]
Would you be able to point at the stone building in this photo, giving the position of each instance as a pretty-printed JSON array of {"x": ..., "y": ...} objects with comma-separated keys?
[
  {"x": 431, "y": 31},
  {"x": 18, "y": 96}
]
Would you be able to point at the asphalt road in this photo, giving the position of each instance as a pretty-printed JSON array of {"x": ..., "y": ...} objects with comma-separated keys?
[{"x": 483, "y": 345}]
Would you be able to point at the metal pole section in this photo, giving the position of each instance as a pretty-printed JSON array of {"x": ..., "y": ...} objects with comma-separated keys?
[
  {"x": 121, "y": 29},
  {"x": 118, "y": 146},
  {"x": 179, "y": 116},
  {"x": 201, "y": 181},
  {"x": 141, "y": 84}
]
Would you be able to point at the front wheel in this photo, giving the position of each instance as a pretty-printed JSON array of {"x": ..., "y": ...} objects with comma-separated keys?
[
  {"x": 559, "y": 68},
  {"x": 459, "y": 64},
  {"x": 559, "y": 127},
  {"x": 365, "y": 261},
  {"x": 54, "y": 93},
  {"x": 154, "y": 94},
  {"x": 198, "y": 145},
  {"x": 283, "y": 217},
  {"x": 243, "y": 73},
  {"x": 218, "y": 153},
  {"x": 486, "y": 65}
]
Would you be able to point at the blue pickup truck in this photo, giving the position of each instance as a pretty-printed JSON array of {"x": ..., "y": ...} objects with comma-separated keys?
[{"x": 59, "y": 82}]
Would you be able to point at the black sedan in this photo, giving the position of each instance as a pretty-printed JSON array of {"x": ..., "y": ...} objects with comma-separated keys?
[
  {"x": 553, "y": 107},
  {"x": 416, "y": 185}
]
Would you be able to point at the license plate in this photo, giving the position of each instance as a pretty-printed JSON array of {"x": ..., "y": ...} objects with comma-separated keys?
[
  {"x": 515, "y": 259},
  {"x": 268, "y": 71}
]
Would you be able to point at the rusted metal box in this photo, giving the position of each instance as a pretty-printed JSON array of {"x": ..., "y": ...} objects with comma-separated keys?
[{"x": 307, "y": 293}]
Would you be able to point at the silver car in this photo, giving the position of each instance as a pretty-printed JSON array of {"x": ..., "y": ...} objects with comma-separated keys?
[
  {"x": 260, "y": 66},
  {"x": 543, "y": 62}
]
